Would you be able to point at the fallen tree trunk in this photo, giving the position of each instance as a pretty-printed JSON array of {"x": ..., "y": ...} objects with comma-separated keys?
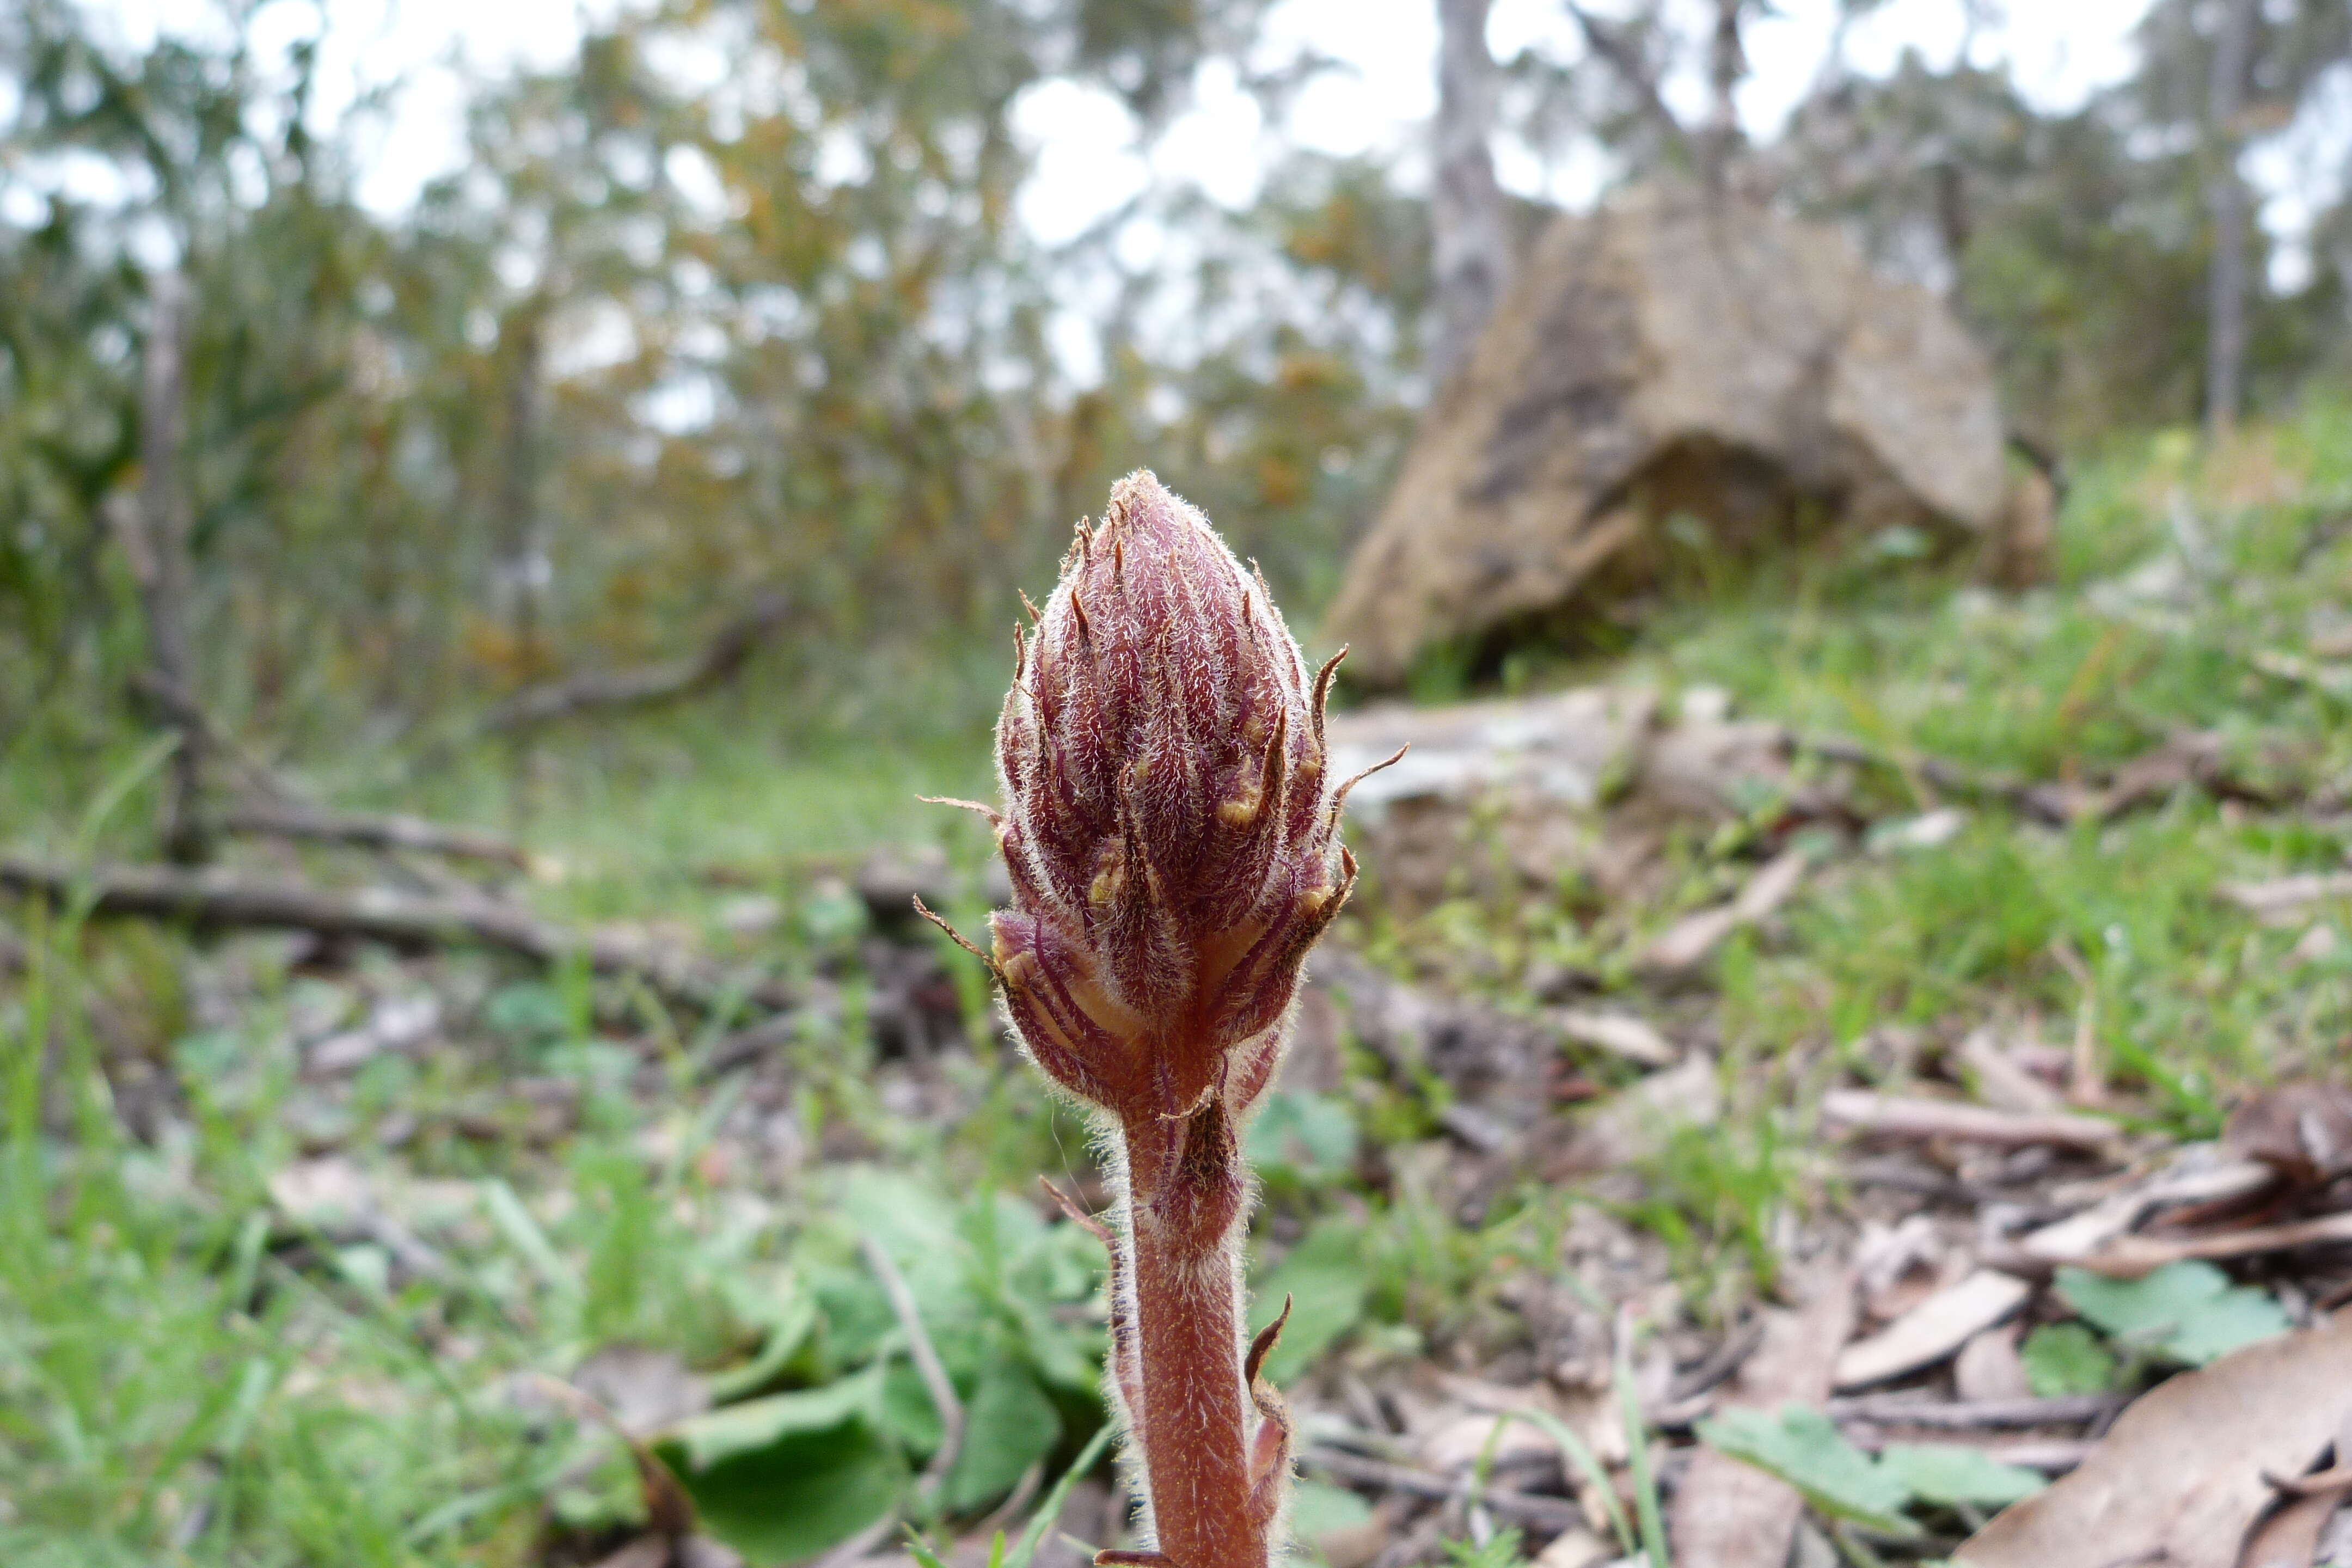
[
  {"x": 215, "y": 897},
  {"x": 721, "y": 661},
  {"x": 364, "y": 831}
]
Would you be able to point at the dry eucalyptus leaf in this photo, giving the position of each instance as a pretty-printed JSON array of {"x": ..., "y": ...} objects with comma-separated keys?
[
  {"x": 1934, "y": 1329},
  {"x": 2180, "y": 1478},
  {"x": 1988, "y": 1367},
  {"x": 1728, "y": 1513},
  {"x": 2302, "y": 1131},
  {"x": 2289, "y": 1538}
]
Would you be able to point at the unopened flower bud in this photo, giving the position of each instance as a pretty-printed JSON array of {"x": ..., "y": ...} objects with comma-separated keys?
[{"x": 1170, "y": 824}]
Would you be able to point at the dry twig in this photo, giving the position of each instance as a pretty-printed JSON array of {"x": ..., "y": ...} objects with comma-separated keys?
[
  {"x": 720, "y": 660},
  {"x": 215, "y": 897},
  {"x": 1889, "y": 1116},
  {"x": 927, "y": 1361}
]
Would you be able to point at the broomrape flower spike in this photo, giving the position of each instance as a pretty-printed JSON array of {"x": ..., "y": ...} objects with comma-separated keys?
[{"x": 1172, "y": 834}]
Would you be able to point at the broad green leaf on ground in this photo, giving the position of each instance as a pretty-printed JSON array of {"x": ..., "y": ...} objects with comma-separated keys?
[
  {"x": 2188, "y": 1312},
  {"x": 2066, "y": 1358},
  {"x": 1317, "y": 1511},
  {"x": 1952, "y": 1475},
  {"x": 785, "y": 1477},
  {"x": 901, "y": 1214},
  {"x": 1311, "y": 1136},
  {"x": 1324, "y": 1277},
  {"x": 906, "y": 1410},
  {"x": 718, "y": 1436},
  {"x": 1805, "y": 1449},
  {"x": 789, "y": 1314},
  {"x": 1009, "y": 1425}
]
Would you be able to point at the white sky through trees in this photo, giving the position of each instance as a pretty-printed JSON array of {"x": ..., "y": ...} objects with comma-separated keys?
[{"x": 1091, "y": 158}]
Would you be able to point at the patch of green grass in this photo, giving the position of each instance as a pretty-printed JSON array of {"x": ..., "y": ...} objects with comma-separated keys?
[
  {"x": 2186, "y": 994},
  {"x": 1715, "y": 1196}
]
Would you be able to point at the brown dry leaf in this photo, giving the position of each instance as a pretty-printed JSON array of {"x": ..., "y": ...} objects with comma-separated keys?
[
  {"x": 669, "y": 1512},
  {"x": 2129, "y": 1257},
  {"x": 2289, "y": 1537},
  {"x": 645, "y": 1552},
  {"x": 1896, "y": 1116},
  {"x": 2000, "y": 1081},
  {"x": 1575, "y": 1549},
  {"x": 2199, "y": 1174},
  {"x": 2179, "y": 1479},
  {"x": 1622, "y": 1035},
  {"x": 1686, "y": 943},
  {"x": 1988, "y": 1367},
  {"x": 1726, "y": 1512},
  {"x": 643, "y": 1389},
  {"x": 1935, "y": 1328},
  {"x": 704, "y": 1552},
  {"x": 1636, "y": 1124},
  {"x": 2301, "y": 1130}
]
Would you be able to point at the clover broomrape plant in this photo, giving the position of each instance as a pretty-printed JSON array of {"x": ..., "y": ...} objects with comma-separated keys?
[{"x": 1172, "y": 834}]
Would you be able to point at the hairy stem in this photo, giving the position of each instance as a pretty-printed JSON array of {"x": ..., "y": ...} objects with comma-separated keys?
[{"x": 1186, "y": 1196}]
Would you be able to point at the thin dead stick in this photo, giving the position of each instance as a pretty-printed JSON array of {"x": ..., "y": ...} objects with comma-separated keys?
[
  {"x": 367, "y": 831},
  {"x": 278, "y": 807},
  {"x": 927, "y": 1361},
  {"x": 2129, "y": 1257},
  {"x": 215, "y": 897},
  {"x": 1524, "y": 1508},
  {"x": 1973, "y": 1414},
  {"x": 1888, "y": 1115},
  {"x": 719, "y": 661},
  {"x": 2053, "y": 1456}
]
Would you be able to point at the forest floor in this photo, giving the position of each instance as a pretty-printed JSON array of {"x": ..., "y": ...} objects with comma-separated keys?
[{"x": 1994, "y": 1100}]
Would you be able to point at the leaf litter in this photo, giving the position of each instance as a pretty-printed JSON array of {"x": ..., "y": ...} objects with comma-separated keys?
[{"x": 2015, "y": 1303}]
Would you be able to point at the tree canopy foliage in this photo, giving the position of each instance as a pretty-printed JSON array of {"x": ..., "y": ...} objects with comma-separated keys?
[{"x": 737, "y": 301}]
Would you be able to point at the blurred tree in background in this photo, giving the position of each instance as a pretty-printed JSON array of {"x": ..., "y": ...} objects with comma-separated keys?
[{"x": 736, "y": 303}]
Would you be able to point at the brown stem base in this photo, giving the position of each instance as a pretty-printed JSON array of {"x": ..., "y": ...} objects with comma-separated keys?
[{"x": 1185, "y": 1201}]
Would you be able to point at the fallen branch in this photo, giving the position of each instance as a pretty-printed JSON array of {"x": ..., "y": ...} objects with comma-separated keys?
[
  {"x": 2285, "y": 898},
  {"x": 214, "y": 897},
  {"x": 1974, "y": 1414},
  {"x": 2129, "y": 1257},
  {"x": 362, "y": 830},
  {"x": 926, "y": 1363},
  {"x": 1523, "y": 1508},
  {"x": 719, "y": 661},
  {"x": 1891, "y": 1117},
  {"x": 2052, "y": 1456},
  {"x": 279, "y": 808}
]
